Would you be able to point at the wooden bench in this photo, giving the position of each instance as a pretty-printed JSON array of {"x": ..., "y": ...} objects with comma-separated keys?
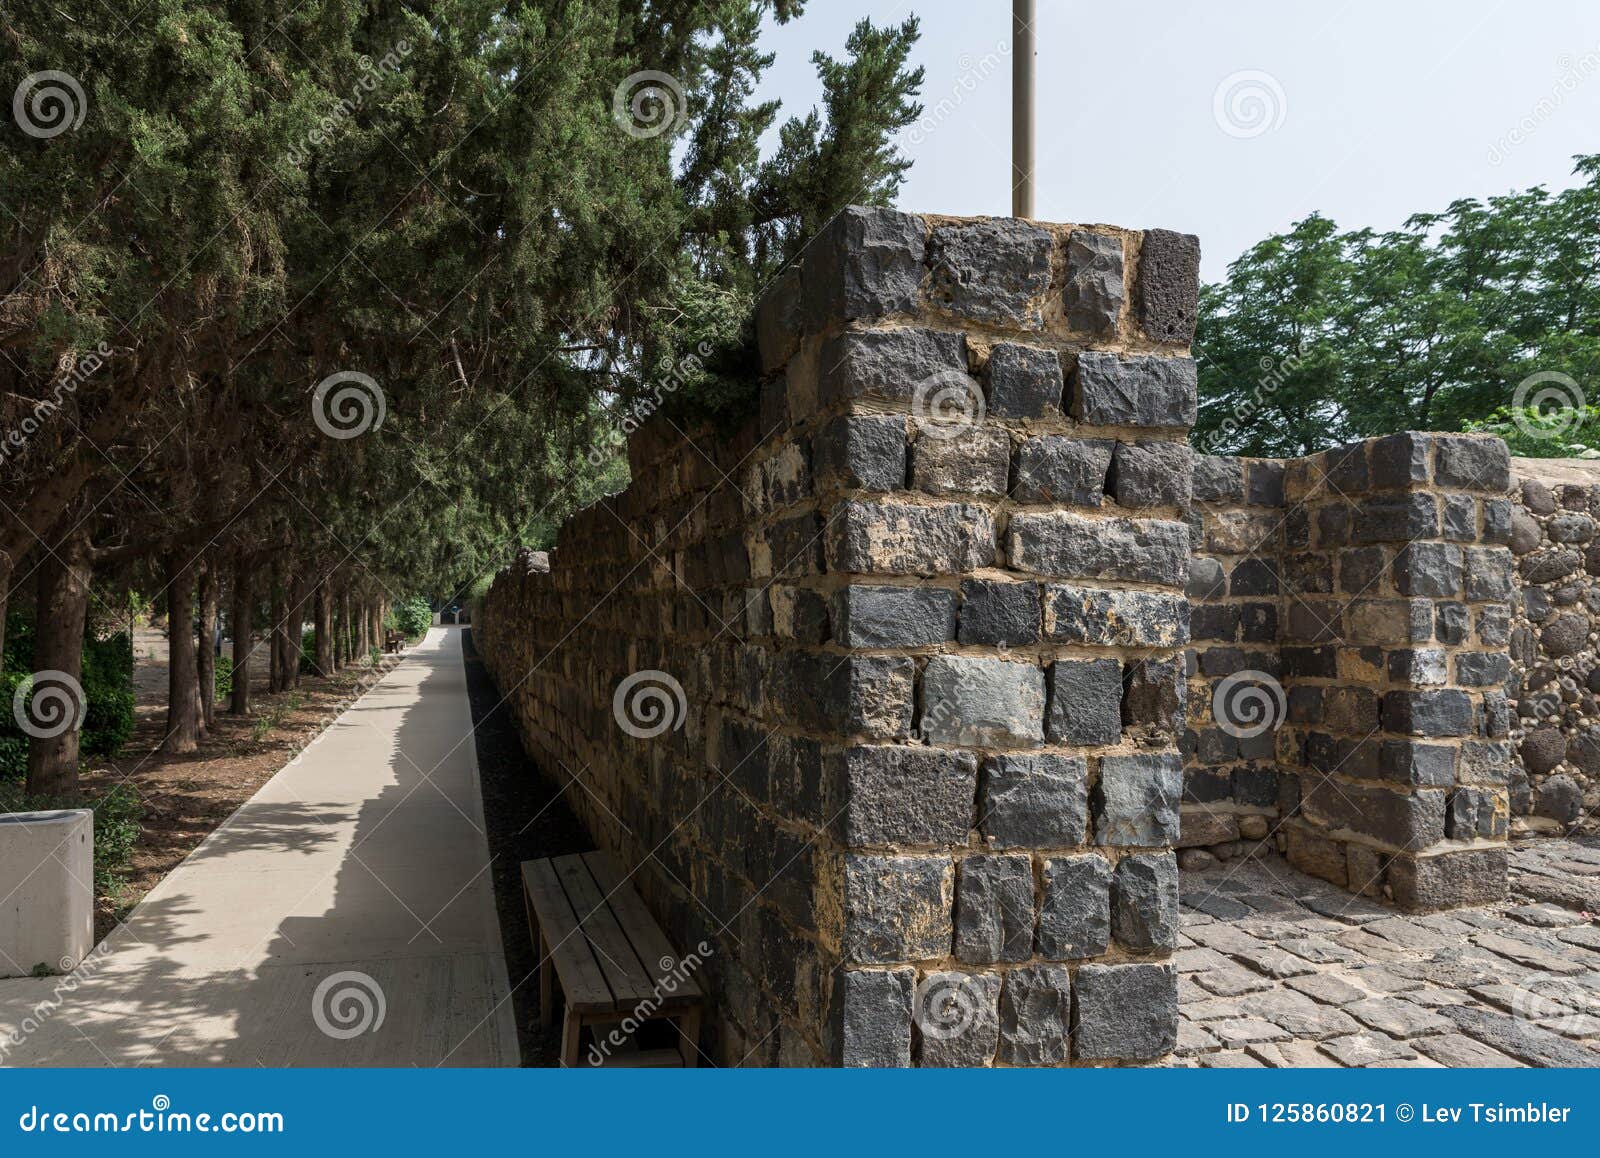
[{"x": 614, "y": 963}]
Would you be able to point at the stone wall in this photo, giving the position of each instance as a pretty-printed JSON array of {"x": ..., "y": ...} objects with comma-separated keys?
[
  {"x": 1386, "y": 680},
  {"x": 1554, "y": 650},
  {"x": 920, "y": 786}
]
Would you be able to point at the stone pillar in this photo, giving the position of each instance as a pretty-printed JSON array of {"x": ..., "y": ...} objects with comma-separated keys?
[
  {"x": 1395, "y": 659},
  {"x": 997, "y": 413}
]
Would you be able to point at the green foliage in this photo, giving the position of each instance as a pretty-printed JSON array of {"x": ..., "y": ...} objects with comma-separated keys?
[
  {"x": 222, "y": 677},
  {"x": 1566, "y": 432},
  {"x": 117, "y": 813},
  {"x": 1318, "y": 337},
  {"x": 308, "y": 651},
  {"x": 107, "y": 682},
  {"x": 411, "y": 617}
]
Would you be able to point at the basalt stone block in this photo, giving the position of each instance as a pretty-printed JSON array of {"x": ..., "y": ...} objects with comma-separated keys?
[
  {"x": 1218, "y": 479},
  {"x": 1537, "y": 497},
  {"x": 1035, "y": 1016},
  {"x": 994, "y": 270},
  {"x": 870, "y": 1016},
  {"x": 977, "y": 461},
  {"x": 1549, "y": 566},
  {"x": 1494, "y": 624},
  {"x": 1024, "y": 381},
  {"x": 1344, "y": 470},
  {"x": 1451, "y": 623},
  {"x": 1424, "y": 666},
  {"x": 1258, "y": 623},
  {"x": 1399, "y": 520},
  {"x": 1468, "y": 877},
  {"x": 1389, "y": 622},
  {"x": 1570, "y": 528},
  {"x": 906, "y": 539},
  {"x": 1482, "y": 669},
  {"x": 1460, "y": 518},
  {"x": 1169, "y": 285},
  {"x": 795, "y": 544},
  {"x": 1126, "y": 1012},
  {"x": 1497, "y": 521},
  {"x": 1153, "y": 694},
  {"x": 1399, "y": 461},
  {"x": 1432, "y": 569},
  {"x": 1559, "y": 799},
  {"x": 890, "y": 364},
  {"x": 1485, "y": 762},
  {"x": 1034, "y": 801},
  {"x": 897, "y": 908},
  {"x": 866, "y": 616},
  {"x": 1150, "y": 474},
  {"x": 1085, "y": 702},
  {"x": 1207, "y": 580},
  {"x": 1400, "y": 820},
  {"x": 848, "y": 694},
  {"x": 999, "y": 613},
  {"x": 1055, "y": 469},
  {"x": 1526, "y": 534},
  {"x": 976, "y": 701},
  {"x": 1095, "y": 285},
  {"x": 779, "y": 320},
  {"x": 1479, "y": 464},
  {"x": 861, "y": 452},
  {"x": 1264, "y": 484},
  {"x": 1254, "y": 577},
  {"x": 1419, "y": 765},
  {"x": 1219, "y": 623},
  {"x": 994, "y": 909},
  {"x": 1137, "y": 391},
  {"x": 889, "y": 794},
  {"x": 864, "y": 264},
  {"x": 1075, "y": 914},
  {"x": 1073, "y": 546},
  {"x": 1144, "y": 901},
  {"x": 1543, "y": 749},
  {"x": 958, "y": 1019},
  {"x": 1488, "y": 573},
  {"x": 1096, "y": 617},
  {"x": 1428, "y": 713},
  {"x": 1472, "y": 813},
  {"x": 1565, "y": 635},
  {"x": 1136, "y": 799}
]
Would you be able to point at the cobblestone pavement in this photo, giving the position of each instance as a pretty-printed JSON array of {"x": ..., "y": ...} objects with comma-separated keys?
[{"x": 1280, "y": 969}]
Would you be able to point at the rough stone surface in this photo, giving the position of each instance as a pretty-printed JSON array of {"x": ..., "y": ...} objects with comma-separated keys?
[
  {"x": 872, "y": 1016},
  {"x": 1024, "y": 381},
  {"x": 971, "y": 700},
  {"x": 888, "y": 364},
  {"x": 1056, "y": 469},
  {"x": 999, "y": 614},
  {"x": 866, "y": 263},
  {"x": 863, "y": 452},
  {"x": 1034, "y": 801},
  {"x": 957, "y": 1018},
  {"x": 1085, "y": 702},
  {"x": 977, "y": 461},
  {"x": 1125, "y": 1011},
  {"x": 872, "y": 616},
  {"x": 993, "y": 271},
  {"x": 1136, "y": 800},
  {"x": 1071, "y": 546},
  {"x": 890, "y": 794},
  {"x": 1094, "y": 295},
  {"x": 1075, "y": 915},
  {"x": 994, "y": 909},
  {"x": 1139, "y": 391},
  {"x": 1169, "y": 280},
  {"x": 897, "y": 908},
  {"x": 1035, "y": 1015},
  {"x": 1144, "y": 901}
]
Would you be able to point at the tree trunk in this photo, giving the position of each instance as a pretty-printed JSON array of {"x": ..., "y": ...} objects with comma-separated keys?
[
  {"x": 278, "y": 614},
  {"x": 56, "y": 708},
  {"x": 291, "y": 636},
  {"x": 206, "y": 658},
  {"x": 183, "y": 688},
  {"x": 5, "y": 605},
  {"x": 347, "y": 650},
  {"x": 243, "y": 616},
  {"x": 324, "y": 629}
]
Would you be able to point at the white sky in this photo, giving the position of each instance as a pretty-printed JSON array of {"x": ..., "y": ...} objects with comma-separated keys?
[{"x": 1388, "y": 107}]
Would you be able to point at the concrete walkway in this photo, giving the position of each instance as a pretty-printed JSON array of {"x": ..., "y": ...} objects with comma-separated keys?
[{"x": 343, "y": 916}]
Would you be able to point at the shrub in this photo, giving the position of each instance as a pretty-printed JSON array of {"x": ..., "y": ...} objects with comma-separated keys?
[
  {"x": 107, "y": 682},
  {"x": 222, "y": 678},
  {"x": 308, "y": 652},
  {"x": 411, "y": 617}
]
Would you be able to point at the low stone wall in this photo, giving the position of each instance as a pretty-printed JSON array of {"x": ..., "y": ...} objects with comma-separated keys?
[
  {"x": 1555, "y": 651},
  {"x": 1385, "y": 757},
  {"x": 918, "y": 636}
]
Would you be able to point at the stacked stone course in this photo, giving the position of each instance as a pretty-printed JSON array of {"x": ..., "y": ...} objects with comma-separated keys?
[{"x": 927, "y": 613}]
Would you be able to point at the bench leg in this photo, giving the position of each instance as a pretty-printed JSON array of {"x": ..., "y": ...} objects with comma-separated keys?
[
  {"x": 569, "y": 1040},
  {"x": 689, "y": 1038},
  {"x": 547, "y": 987}
]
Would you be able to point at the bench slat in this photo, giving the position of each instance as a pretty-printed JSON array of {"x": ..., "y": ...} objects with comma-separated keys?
[
  {"x": 582, "y": 979},
  {"x": 640, "y": 928},
  {"x": 623, "y": 974}
]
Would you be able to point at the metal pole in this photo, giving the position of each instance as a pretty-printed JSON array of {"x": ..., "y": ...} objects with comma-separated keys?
[{"x": 1022, "y": 108}]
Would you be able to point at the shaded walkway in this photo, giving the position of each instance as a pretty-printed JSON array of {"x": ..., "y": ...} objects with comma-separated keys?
[{"x": 355, "y": 880}]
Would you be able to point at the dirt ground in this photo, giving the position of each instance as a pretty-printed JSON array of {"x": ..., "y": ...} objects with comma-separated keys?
[{"x": 185, "y": 797}]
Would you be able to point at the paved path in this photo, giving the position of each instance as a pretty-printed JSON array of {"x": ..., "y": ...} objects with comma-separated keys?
[
  {"x": 357, "y": 876},
  {"x": 1279, "y": 969}
]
